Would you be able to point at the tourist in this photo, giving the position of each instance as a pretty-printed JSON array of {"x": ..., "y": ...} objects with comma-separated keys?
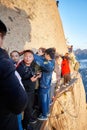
[
  {"x": 26, "y": 69},
  {"x": 13, "y": 98},
  {"x": 15, "y": 56},
  {"x": 41, "y": 51},
  {"x": 65, "y": 69},
  {"x": 47, "y": 66}
]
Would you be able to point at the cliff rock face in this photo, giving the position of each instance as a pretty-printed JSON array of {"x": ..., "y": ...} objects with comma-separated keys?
[
  {"x": 32, "y": 23},
  {"x": 69, "y": 109}
]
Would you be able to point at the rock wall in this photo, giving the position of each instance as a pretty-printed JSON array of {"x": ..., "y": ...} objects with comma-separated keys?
[
  {"x": 32, "y": 24},
  {"x": 69, "y": 110}
]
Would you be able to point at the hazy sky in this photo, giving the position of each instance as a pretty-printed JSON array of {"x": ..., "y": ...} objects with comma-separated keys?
[{"x": 73, "y": 14}]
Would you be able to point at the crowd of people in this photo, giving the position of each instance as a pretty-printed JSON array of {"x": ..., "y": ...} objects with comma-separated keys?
[{"x": 28, "y": 82}]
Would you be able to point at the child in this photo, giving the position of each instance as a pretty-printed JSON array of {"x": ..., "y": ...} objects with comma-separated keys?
[
  {"x": 47, "y": 66},
  {"x": 41, "y": 51}
]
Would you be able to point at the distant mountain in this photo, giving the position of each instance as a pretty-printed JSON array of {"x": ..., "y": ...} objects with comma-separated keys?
[{"x": 81, "y": 54}]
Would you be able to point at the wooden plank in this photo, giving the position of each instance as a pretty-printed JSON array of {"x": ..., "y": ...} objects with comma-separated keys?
[
  {"x": 40, "y": 125},
  {"x": 66, "y": 88}
]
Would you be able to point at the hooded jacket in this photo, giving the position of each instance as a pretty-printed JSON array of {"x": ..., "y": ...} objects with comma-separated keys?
[{"x": 13, "y": 98}]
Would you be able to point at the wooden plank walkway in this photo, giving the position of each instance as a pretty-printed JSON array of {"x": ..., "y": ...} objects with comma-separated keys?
[
  {"x": 66, "y": 88},
  {"x": 39, "y": 125}
]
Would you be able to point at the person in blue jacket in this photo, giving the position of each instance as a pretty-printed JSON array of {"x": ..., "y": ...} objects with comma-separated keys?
[
  {"x": 47, "y": 67},
  {"x": 13, "y": 98}
]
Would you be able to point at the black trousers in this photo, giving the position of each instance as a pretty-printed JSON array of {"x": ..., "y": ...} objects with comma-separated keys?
[
  {"x": 67, "y": 78},
  {"x": 29, "y": 109}
]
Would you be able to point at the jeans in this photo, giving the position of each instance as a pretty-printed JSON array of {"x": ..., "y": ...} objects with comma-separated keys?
[
  {"x": 44, "y": 100},
  {"x": 19, "y": 116}
]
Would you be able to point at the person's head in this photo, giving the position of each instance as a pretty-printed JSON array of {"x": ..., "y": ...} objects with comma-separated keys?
[
  {"x": 15, "y": 56},
  {"x": 3, "y": 30},
  {"x": 71, "y": 46},
  {"x": 28, "y": 57},
  {"x": 66, "y": 54},
  {"x": 50, "y": 53},
  {"x": 41, "y": 51}
]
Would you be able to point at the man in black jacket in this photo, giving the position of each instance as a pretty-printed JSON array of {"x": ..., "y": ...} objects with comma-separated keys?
[
  {"x": 13, "y": 98},
  {"x": 27, "y": 71}
]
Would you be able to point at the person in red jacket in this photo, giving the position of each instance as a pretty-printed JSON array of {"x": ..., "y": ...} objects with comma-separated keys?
[{"x": 65, "y": 69}]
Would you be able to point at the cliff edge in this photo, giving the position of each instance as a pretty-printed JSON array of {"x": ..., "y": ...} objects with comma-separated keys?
[{"x": 69, "y": 109}]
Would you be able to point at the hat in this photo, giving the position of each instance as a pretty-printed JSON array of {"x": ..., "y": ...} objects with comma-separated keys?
[{"x": 3, "y": 28}]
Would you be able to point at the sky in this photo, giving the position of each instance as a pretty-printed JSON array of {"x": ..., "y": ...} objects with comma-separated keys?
[{"x": 73, "y": 14}]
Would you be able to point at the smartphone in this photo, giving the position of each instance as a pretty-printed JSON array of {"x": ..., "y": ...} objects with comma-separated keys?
[{"x": 37, "y": 74}]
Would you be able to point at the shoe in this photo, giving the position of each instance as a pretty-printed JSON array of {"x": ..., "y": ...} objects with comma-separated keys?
[
  {"x": 51, "y": 102},
  {"x": 67, "y": 84},
  {"x": 57, "y": 89},
  {"x": 29, "y": 127},
  {"x": 42, "y": 118},
  {"x": 63, "y": 86},
  {"x": 32, "y": 120},
  {"x": 48, "y": 114}
]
